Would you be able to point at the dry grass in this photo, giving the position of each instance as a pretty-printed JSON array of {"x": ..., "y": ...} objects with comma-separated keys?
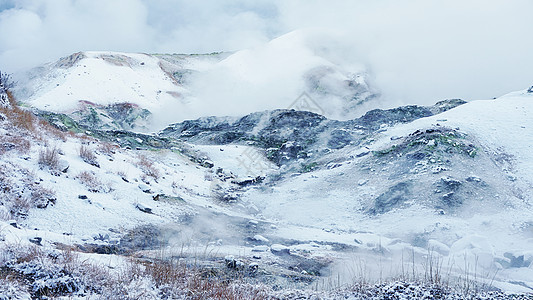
[
  {"x": 107, "y": 148},
  {"x": 148, "y": 168},
  {"x": 49, "y": 157},
  {"x": 91, "y": 182},
  {"x": 88, "y": 156},
  {"x": 18, "y": 143},
  {"x": 179, "y": 280},
  {"x": 41, "y": 197}
]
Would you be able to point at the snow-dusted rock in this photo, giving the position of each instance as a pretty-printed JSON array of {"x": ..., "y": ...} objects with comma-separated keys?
[
  {"x": 145, "y": 188},
  {"x": 260, "y": 238},
  {"x": 261, "y": 248},
  {"x": 144, "y": 208},
  {"x": 279, "y": 249},
  {"x": 63, "y": 165}
]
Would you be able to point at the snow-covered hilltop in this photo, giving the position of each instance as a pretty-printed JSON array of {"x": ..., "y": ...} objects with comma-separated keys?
[
  {"x": 151, "y": 91},
  {"x": 282, "y": 181}
]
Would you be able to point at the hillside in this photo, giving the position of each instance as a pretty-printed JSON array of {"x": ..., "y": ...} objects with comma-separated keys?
[{"x": 270, "y": 204}]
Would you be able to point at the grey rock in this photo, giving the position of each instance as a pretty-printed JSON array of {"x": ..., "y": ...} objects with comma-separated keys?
[
  {"x": 142, "y": 238},
  {"x": 261, "y": 248},
  {"x": 143, "y": 208},
  {"x": 63, "y": 165},
  {"x": 260, "y": 238},
  {"x": 233, "y": 263},
  {"x": 253, "y": 268},
  {"x": 392, "y": 198},
  {"x": 36, "y": 240},
  {"x": 279, "y": 249},
  {"x": 145, "y": 188}
]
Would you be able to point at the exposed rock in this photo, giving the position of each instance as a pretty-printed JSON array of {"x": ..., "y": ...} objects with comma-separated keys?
[
  {"x": 142, "y": 238},
  {"x": 392, "y": 198},
  {"x": 143, "y": 208},
  {"x": 517, "y": 260},
  {"x": 145, "y": 188},
  {"x": 233, "y": 263},
  {"x": 167, "y": 198},
  {"x": 249, "y": 181},
  {"x": 260, "y": 238},
  {"x": 449, "y": 187},
  {"x": 279, "y": 249},
  {"x": 253, "y": 268},
  {"x": 288, "y": 135},
  {"x": 261, "y": 248},
  {"x": 70, "y": 61},
  {"x": 63, "y": 165},
  {"x": 36, "y": 240}
]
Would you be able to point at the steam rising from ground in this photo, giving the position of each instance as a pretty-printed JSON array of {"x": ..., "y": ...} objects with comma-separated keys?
[{"x": 418, "y": 51}]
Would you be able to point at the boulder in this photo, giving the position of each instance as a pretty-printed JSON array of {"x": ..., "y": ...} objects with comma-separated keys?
[
  {"x": 279, "y": 249},
  {"x": 261, "y": 248},
  {"x": 145, "y": 188},
  {"x": 260, "y": 238},
  {"x": 143, "y": 208},
  {"x": 63, "y": 165}
]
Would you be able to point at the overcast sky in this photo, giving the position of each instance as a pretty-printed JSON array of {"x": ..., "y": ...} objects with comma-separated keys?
[{"x": 414, "y": 49}]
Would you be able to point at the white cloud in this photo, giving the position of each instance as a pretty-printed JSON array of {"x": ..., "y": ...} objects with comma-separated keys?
[
  {"x": 38, "y": 31},
  {"x": 418, "y": 50},
  {"x": 423, "y": 51}
]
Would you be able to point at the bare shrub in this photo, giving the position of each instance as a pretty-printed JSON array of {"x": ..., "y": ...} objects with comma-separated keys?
[
  {"x": 19, "y": 207},
  {"x": 107, "y": 148},
  {"x": 10, "y": 142},
  {"x": 92, "y": 183},
  {"x": 41, "y": 197},
  {"x": 49, "y": 158},
  {"x": 148, "y": 168},
  {"x": 88, "y": 156},
  {"x": 4, "y": 216},
  {"x": 23, "y": 119},
  {"x": 49, "y": 274},
  {"x": 177, "y": 280}
]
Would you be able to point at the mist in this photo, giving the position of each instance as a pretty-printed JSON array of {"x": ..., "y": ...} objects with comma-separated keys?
[{"x": 416, "y": 52}]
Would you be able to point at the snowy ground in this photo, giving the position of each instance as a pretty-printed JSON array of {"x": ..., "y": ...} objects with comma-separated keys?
[{"x": 319, "y": 217}]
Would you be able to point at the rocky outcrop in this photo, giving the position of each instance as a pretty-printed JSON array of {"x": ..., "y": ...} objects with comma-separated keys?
[{"x": 288, "y": 135}]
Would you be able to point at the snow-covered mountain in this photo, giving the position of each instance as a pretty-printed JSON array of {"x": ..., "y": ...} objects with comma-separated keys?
[
  {"x": 145, "y": 92},
  {"x": 276, "y": 200}
]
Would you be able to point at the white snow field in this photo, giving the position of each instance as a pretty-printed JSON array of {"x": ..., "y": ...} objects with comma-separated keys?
[
  {"x": 211, "y": 198},
  {"x": 327, "y": 204}
]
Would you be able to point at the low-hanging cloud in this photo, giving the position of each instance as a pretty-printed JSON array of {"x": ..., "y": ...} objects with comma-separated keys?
[
  {"x": 33, "y": 32},
  {"x": 417, "y": 51}
]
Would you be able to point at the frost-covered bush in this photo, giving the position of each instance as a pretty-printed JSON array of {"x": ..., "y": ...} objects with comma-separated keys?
[
  {"x": 92, "y": 183},
  {"x": 49, "y": 158},
  {"x": 148, "y": 168},
  {"x": 48, "y": 273},
  {"x": 11, "y": 289},
  {"x": 88, "y": 156},
  {"x": 21, "y": 191}
]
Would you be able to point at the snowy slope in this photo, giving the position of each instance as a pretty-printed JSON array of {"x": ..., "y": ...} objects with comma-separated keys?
[
  {"x": 488, "y": 235},
  {"x": 321, "y": 216}
]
